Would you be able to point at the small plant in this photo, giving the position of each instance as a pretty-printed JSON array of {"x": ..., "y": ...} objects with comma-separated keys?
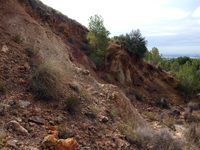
[
  {"x": 169, "y": 121},
  {"x": 16, "y": 106},
  {"x": 65, "y": 132},
  {"x": 72, "y": 103},
  {"x": 32, "y": 52},
  {"x": 17, "y": 38},
  {"x": 3, "y": 88},
  {"x": 152, "y": 116},
  {"x": 114, "y": 111},
  {"x": 85, "y": 95},
  {"x": 133, "y": 91},
  {"x": 47, "y": 80},
  {"x": 71, "y": 40},
  {"x": 95, "y": 110}
]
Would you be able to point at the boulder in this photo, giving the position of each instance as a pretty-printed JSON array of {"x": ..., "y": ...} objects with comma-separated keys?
[
  {"x": 75, "y": 86},
  {"x": 104, "y": 119},
  {"x": 49, "y": 140},
  {"x": 4, "y": 48},
  {"x": 86, "y": 72},
  {"x": 68, "y": 144},
  {"x": 37, "y": 119},
  {"x": 24, "y": 103},
  {"x": 12, "y": 143},
  {"x": 90, "y": 115},
  {"x": 17, "y": 127}
]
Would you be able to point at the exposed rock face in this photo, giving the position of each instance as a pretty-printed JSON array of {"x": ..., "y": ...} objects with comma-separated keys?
[
  {"x": 120, "y": 68},
  {"x": 117, "y": 63}
]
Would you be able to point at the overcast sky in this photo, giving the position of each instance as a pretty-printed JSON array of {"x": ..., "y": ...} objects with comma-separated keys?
[{"x": 173, "y": 26}]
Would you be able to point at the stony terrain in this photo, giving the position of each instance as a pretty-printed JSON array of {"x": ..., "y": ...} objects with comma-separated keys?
[{"x": 30, "y": 122}]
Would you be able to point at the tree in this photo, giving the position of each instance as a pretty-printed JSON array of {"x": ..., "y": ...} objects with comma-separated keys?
[
  {"x": 187, "y": 78},
  {"x": 135, "y": 44},
  {"x": 153, "y": 57},
  {"x": 183, "y": 60},
  {"x": 98, "y": 39},
  {"x": 175, "y": 66}
]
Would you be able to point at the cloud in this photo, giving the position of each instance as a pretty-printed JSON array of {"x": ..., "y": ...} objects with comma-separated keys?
[
  {"x": 199, "y": 22},
  {"x": 173, "y": 13},
  {"x": 160, "y": 34},
  {"x": 196, "y": 12}
]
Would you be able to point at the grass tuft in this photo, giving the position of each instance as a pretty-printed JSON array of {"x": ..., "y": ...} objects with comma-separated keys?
[
  {"x": 64, "y": 132},
  {"x": 95, "y": 110},
  {"x": 17, "y": 39},
  {"x": 47, "y": 80},
  {"x": 169, "y": 121},
  {"x": 152, "y": 116},
  {"x": 72, "y": 103}
]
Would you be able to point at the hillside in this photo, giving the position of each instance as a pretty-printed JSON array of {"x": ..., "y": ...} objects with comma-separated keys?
[{"x": 32, "y": 34}]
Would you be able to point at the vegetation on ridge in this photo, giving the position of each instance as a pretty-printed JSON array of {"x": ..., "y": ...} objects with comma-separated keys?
[
  {"x": 133, "y": 42},
  {"x": 98, "y": 39}
]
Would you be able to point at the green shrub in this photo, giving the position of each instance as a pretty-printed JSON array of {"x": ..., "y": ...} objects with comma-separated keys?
[
  {"x": 97, "y": 60},
  {"x": 17, "y": 38},
  {"x": 134, "y": 43},
  {"x": 47, "y": 80},
  {"x": 72, "y": 103},
  {"x": 3, "y": 88},
  {"x": 187, "y": 79}
]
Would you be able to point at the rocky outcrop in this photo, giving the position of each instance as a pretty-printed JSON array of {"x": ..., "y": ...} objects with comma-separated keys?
[
  {"x": 122, "y": 69},
  {"x": 60, "y": 24}
]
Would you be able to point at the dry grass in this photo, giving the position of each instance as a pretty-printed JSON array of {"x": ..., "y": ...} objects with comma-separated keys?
[
  {"x": 95, "y": 110},
  {"x": 193, "y": 106},
  {"x": 145, "y": 137},
  {"x": 158, "y": 140},
  {"x": 72, "y": 103},
  {"x": 32, "y": 52},
  {"x": 65, "y": 132},
  {"x": 114, "y": 111},
  {"x": 193, "y": 134},
  {"x": 47, "y": 80},
  {"x": 152, "y": 116},
  {"x": 85, "y": 95},
  {"x": 133, "y": 91},
  {"x": 169, "y": 120},
  {"x": 193, "y": 118}
]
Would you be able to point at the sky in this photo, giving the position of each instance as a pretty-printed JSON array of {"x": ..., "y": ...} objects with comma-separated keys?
[{"x": 173, "y": 26}]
